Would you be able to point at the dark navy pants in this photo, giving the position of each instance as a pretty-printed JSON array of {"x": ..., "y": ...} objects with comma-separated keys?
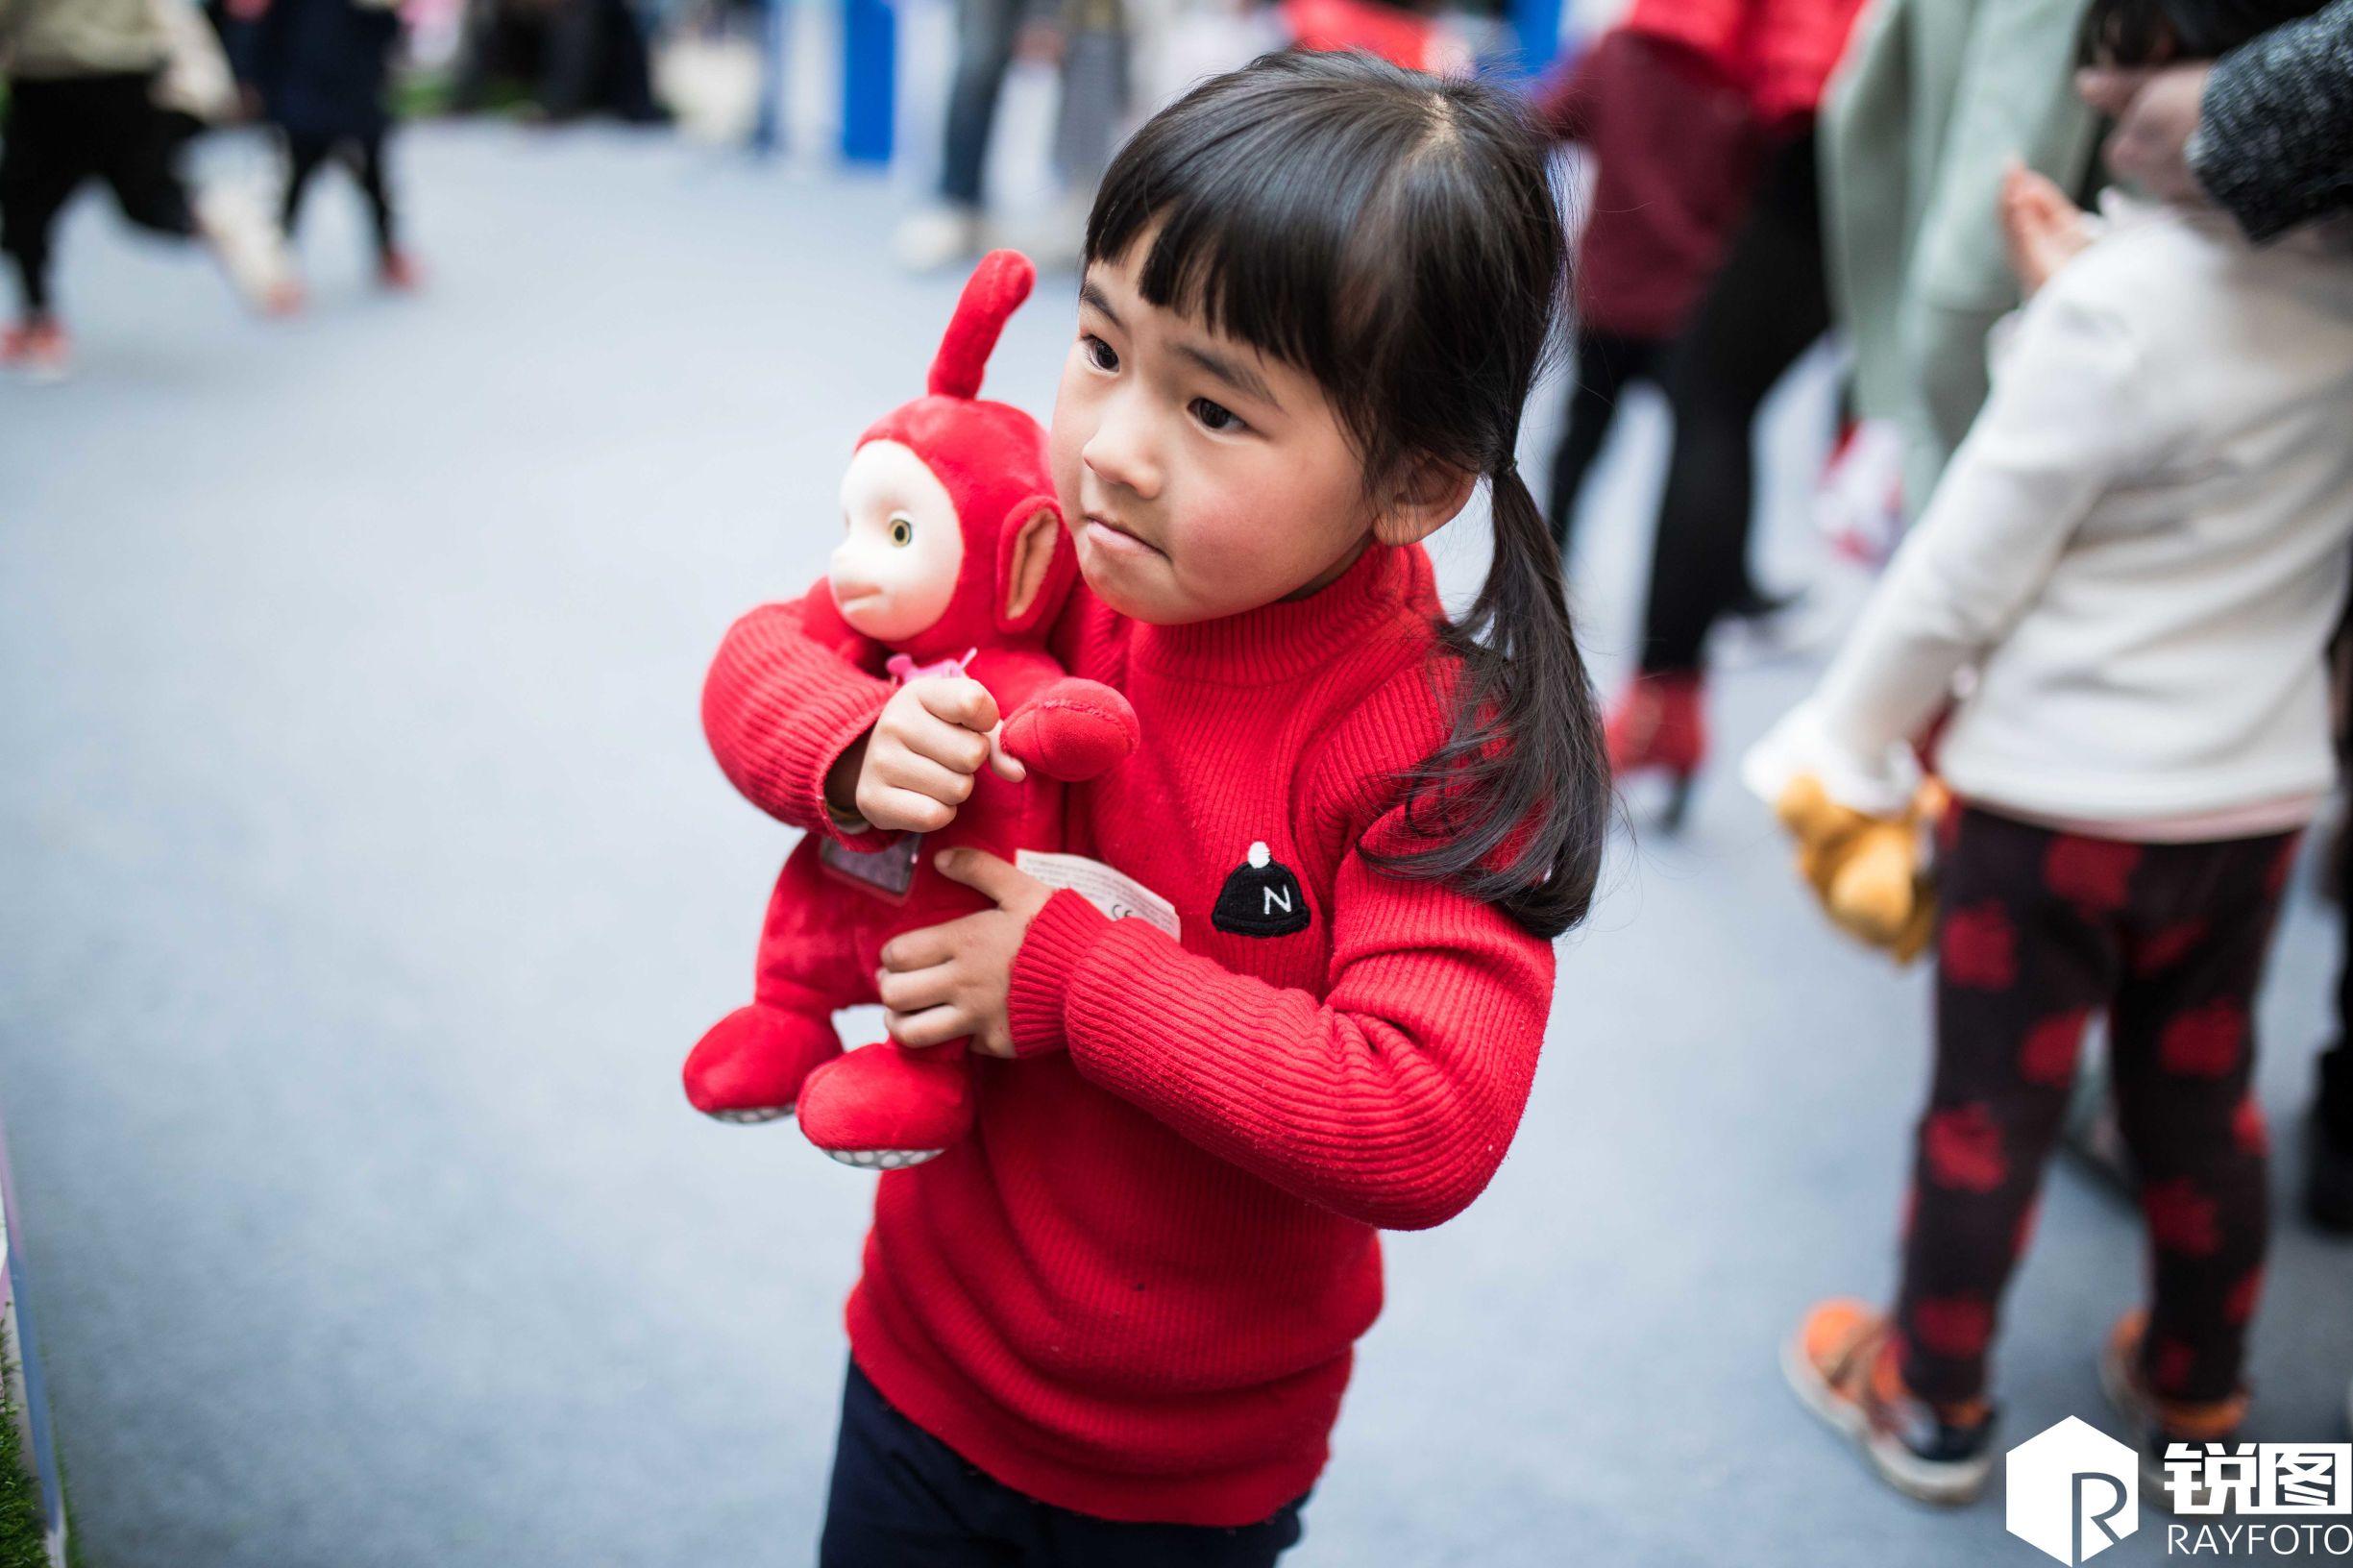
[{"x": 903, "y": 1498}]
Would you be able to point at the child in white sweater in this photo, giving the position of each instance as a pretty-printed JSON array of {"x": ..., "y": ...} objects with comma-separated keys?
[{"x": 2139, "y": 554}]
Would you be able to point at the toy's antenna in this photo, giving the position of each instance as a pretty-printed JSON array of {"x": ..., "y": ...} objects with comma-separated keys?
[{"x": 994, "y": 292}]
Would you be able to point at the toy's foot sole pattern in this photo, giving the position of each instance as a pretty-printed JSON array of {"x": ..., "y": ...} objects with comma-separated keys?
[
  {"x": 884, "y": 1159},
  {"x": 751, "y": 1118}
]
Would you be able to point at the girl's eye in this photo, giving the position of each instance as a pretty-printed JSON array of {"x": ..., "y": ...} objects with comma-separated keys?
[
  {"x": 903, "y": 532},
  {"x": 1099, "y": 354},
  {"x": 1215, "y": 417}
]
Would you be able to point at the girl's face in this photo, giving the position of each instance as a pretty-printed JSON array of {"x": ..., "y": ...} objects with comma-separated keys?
[{"x": 1199, "y": 476}]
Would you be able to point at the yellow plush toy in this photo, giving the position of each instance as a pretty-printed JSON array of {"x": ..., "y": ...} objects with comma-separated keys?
[{"x": 1868, "y": 871}]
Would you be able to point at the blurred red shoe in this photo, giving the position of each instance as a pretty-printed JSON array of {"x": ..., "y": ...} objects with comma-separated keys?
[
  {"x": 399, "y": 272},
  {"x": 39, "y": 348},
  {"x": 1659, "y": 726}
]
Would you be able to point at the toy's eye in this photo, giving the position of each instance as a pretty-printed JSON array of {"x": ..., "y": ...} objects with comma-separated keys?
[{"x": 903, "y": 532}]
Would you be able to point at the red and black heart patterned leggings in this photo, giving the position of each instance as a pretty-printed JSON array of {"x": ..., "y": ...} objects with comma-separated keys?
[{"x": 2039, "y": 930}]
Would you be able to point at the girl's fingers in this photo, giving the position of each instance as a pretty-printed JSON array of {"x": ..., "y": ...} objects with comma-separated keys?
[
  {"x": 1008, "y": 766},
  {"x": 934, "y": 1026},
  {"x": 902, "y": 811},
  {"x": 913, "y": 951},
  {"x": 908, "y": 770},
  {"x": 958, "y": 699},
  {"x": 913, "y": 991},
  {"x": 949, "y": 744},
  {"x": 998, "y": 880}
]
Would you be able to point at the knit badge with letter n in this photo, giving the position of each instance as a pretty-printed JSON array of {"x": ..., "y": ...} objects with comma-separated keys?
[{"x": 1261, "y": 899}]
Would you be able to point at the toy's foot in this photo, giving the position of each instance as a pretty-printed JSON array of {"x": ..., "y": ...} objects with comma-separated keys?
[
  {"x": 883, "y": 1108},
  {"x": 884, "y": 1159},
  {"x": 751, "y": 1066}
]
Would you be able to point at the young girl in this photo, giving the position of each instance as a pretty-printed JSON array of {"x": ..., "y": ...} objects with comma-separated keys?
[
  {"x": 1113, "y": 1326},
  {"x": 2142, "y": 549}
]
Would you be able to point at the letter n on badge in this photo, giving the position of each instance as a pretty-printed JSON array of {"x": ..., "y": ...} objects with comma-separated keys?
[{"x": 1262, "y": 897}]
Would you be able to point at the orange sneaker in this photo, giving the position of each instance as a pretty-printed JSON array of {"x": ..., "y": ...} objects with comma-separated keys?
[
  {"x": 39, "y": 348},
  {"x": 2153, "y": 1424},
  {"x": 1842, "y": 1363}
]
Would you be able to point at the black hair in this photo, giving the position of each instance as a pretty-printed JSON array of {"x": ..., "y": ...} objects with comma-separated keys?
[
  {"x": 1397, "y": 236},
  {"x": 2161, "y": 32}
]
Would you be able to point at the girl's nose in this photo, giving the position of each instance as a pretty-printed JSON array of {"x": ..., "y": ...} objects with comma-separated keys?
[{"x": 1119, "y": 452}]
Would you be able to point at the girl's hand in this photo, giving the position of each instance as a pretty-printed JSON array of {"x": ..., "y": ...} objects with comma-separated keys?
[
  {"x": 2156, "y": 112},
  {"x": 949, "y": 981},
  {"x": 915, "y": 766},
  {"x": 2041, "y": 230}
]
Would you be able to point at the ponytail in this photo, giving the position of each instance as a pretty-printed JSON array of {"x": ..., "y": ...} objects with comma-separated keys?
[{"x": 1517, "y": 799}]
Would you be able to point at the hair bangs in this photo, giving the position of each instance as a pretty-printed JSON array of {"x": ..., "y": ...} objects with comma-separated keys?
[{"x": 1280, "y": 218}]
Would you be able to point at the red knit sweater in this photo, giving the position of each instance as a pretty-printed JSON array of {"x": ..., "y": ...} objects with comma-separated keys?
[{"x": 1134, "y": 1291}]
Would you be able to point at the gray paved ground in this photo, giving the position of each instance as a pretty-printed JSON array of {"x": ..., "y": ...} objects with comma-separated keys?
[{"x": 366, "y": 878}]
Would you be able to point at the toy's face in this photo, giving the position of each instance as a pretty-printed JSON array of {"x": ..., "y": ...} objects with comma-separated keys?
[{"x": 895, "y": 571}]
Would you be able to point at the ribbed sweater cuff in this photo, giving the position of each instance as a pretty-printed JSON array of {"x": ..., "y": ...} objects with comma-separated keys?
[
  {"x": 1058, "y": 942},
  {"x": 835, "y": 723}
]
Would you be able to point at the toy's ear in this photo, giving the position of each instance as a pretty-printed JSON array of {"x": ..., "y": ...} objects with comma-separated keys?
[{"x": 1025, "y": 561}]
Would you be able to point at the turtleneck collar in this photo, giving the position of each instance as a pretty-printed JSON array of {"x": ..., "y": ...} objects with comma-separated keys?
[{"x": 1282, "y": 640}]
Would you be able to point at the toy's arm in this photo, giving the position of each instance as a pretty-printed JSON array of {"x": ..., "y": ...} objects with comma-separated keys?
[
  {"x": 1073, "y": 730},
  {"x": 784, "y": 700},
  {"x": 1065, "y": 727}
]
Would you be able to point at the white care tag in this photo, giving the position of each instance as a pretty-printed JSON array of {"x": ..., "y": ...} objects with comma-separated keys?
[{"x": 1116, "y": 895}]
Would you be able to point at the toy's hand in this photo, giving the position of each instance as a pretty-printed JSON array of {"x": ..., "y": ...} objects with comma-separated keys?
[
  {"x": 916, "y": 765},
  {"x": 950, "y": 981},
  {"x": 1074, "y": 729}
]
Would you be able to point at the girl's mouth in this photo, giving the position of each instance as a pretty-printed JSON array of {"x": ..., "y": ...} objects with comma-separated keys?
[{"x": 1109, "y": 535}]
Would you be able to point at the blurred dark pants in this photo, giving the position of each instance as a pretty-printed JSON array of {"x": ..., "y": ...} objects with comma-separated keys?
[
  {"x": 1766, "y": 306},
  {"x": 1607, "y": 365},
  {"x": 364, "y": 156},
  {"x": 65, "y": 130},
  {"x": 985, "y": 35},
  {"x": 903, "y": 1498},
  {"x": 1094, "y": 89},
  {"x": 2037, "y": 930}
]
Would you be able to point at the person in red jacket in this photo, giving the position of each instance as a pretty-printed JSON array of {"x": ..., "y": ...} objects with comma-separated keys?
[
  {"x": 1114, "y": 1325},
  {"x": 1766, "y": 304},
  {"x": 1660, "y": 103}
]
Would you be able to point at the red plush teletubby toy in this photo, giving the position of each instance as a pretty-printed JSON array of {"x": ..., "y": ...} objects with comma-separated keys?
[{"x": 954, "y": 563}]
